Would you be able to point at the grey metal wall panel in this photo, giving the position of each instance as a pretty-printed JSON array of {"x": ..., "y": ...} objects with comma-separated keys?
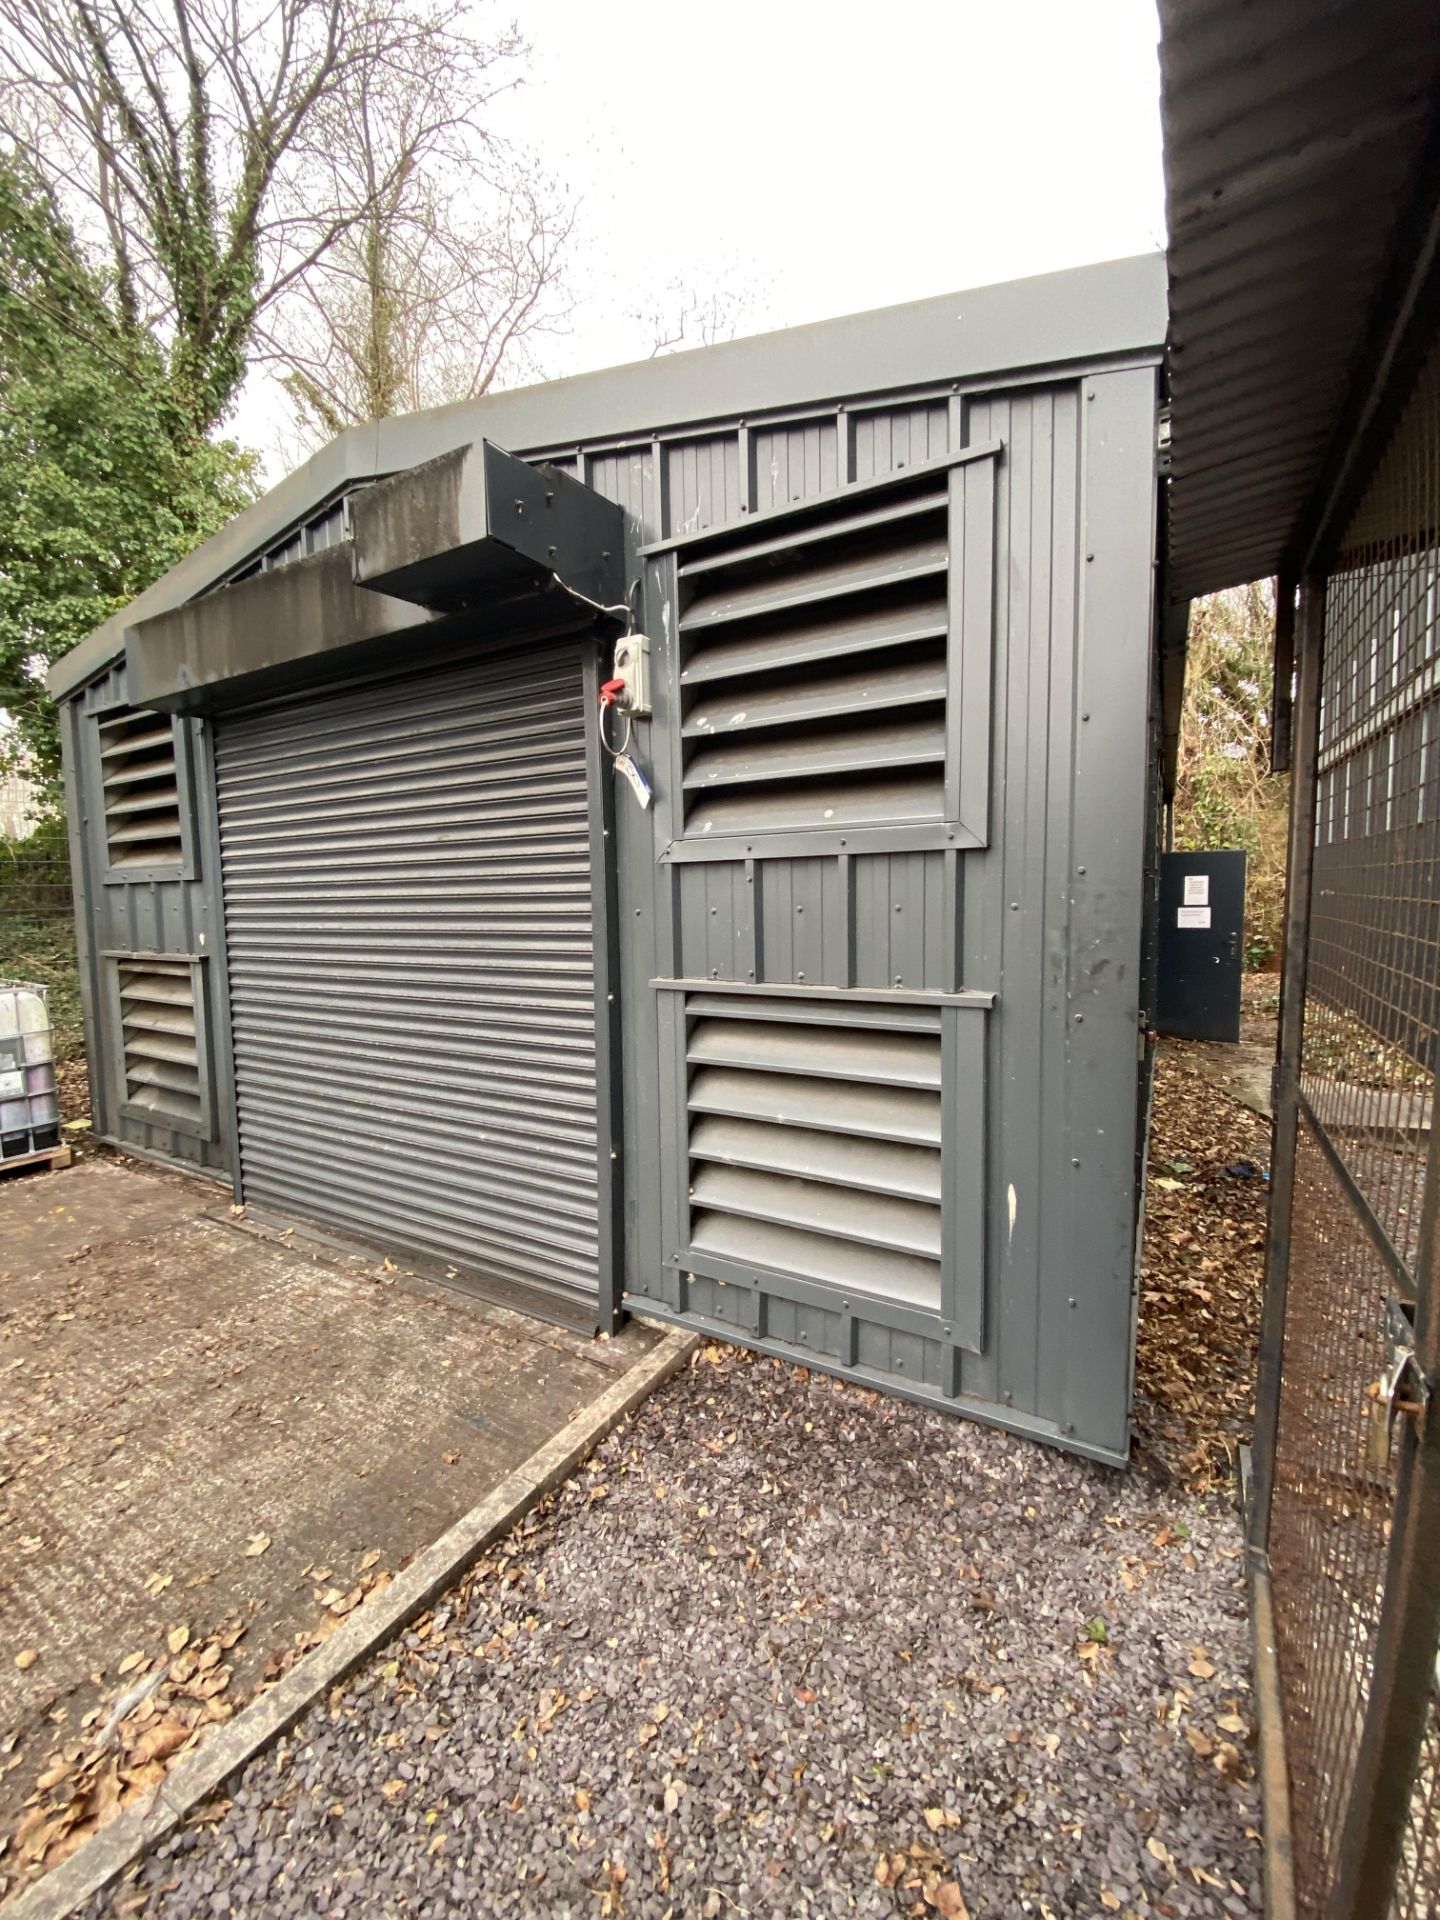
[
  {"x": 409, "y": 914},
  {"x": 1013, "y": 917},
  {"x": 703, "y": 482},
  {"x": 795, "y": 460}
]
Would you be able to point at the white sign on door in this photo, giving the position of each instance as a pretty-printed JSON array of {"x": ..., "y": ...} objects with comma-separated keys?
[
  {"x": 1192, "y": 916},
  {"x": 1197, "y": 890}
]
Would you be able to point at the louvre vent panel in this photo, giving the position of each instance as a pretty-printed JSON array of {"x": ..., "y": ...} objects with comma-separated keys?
[
  {"x": 411, "y": 965},
  {"x": 140, "y": 788},
  {"x": 158, "y": 1029},
  {"x": 814, "y": 674},
  {"x": 814, "y": 1150}
]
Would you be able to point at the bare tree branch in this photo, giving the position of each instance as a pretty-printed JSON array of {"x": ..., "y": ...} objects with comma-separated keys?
[{"x": 206, "y": 147}]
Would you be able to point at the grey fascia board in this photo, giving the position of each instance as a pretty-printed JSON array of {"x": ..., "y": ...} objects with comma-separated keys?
[{"x": 1054, "y": 319}]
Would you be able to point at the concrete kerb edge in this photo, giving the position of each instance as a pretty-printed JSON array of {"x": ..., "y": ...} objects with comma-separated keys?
[{"x": 103, "y": 1858}]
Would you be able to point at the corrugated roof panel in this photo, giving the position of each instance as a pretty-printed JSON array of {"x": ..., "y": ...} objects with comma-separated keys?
[{"x": 1293, "y": 134}]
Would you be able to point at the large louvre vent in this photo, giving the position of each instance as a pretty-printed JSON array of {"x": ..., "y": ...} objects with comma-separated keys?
[
  {"x": 824, "y": 657},
  {"x": 815, "y": 1147},
  {"x": 161, "y": 1044},
  {"x": 141, "y": 788},
  {"x": 814, "y": 675}
]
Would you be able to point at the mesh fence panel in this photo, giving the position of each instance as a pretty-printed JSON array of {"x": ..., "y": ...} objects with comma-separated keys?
[{"x": 1367, "y": 1073}]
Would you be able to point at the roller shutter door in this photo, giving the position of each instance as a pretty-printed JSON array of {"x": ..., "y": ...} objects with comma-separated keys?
[{"x": 409, "y": 924}]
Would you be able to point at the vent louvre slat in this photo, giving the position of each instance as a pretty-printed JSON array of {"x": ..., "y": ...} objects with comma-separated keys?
[
  {"x": 871, "y": 1113},
  {"x": 834, "y": 750},
  {"x": 885, "y": 1059},
  {"x": 803, "y": 643},
  {"x": 850, "y": 525},
  {"x": 805, "y": 584},
  {"x": 824, "y": 697},
  {"x": 842, "y": 1264},
  {"x": 875, "y": 1166},
  {"x": 887, "y": 800},
  {"x": 871, "y": 1220}
]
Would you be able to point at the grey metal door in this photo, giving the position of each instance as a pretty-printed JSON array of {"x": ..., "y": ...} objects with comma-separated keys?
[
  {"x": 410, "y": 929},
  {"x": 1201, "y": 946}
]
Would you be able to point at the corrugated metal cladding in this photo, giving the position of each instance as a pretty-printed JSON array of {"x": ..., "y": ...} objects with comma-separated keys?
[
  {"x": 881, "y": 930},
  {"x": 409, "y": 921}
]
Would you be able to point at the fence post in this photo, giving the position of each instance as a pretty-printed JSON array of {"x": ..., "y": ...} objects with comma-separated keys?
[
  {"x": 1285, "y": 1086},
  {"x": 1402, "y": 1681}
]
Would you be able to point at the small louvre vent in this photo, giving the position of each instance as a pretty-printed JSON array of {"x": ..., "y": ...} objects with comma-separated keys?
[
  {"x": 162, "y": 1058},
  {"x": 814, "y": 672},
  {"x": 141, "y": 787},
  {"x": 815, "y": 1148}
]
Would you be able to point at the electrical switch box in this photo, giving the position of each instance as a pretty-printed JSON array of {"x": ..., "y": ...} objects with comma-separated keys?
[{"x": 632, "y": 667}]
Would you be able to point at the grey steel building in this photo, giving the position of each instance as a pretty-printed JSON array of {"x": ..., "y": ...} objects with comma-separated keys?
[{"x": 816, "y": 1017}]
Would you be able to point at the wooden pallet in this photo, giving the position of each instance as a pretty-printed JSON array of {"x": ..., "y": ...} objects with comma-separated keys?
[{"x": 53, "y": 1158}]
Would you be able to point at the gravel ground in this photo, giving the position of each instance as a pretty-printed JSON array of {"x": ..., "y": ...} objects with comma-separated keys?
[{"x": 784, "y": 1648}]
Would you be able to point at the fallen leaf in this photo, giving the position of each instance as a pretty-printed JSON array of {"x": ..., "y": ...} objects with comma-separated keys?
[
  {"x": 1109, "y": 1900},
  {"x": 178, "y": 1639},
  {"x": 371, "y": 1559},
  {"x": 1231, "y": 1723},
  {"x": 1201, "y": 1668},
  {"x": 948, "y": 1901},
  {"x": 258, "y": 1543},
  {"x": 129, "y": 1663},
  {"x": 450, "y": 1459},
  {"x": 26, "y": 1659},
  {"x": 159, "y": 1742}
]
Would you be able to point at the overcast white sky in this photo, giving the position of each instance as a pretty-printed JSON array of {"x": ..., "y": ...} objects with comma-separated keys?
[{"x": 827, "y": 158}]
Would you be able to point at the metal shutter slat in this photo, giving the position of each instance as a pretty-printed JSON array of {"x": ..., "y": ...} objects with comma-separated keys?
[{"x": 411, "y": 966}]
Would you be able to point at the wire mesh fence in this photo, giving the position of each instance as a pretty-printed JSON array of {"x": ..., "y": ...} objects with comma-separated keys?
[
  {"x": 1353, "y": 1451},
  {"x": 34, "y": 885}
]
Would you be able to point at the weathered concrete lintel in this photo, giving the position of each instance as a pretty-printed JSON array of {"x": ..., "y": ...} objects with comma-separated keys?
[{"x": 102, "y": 1859}]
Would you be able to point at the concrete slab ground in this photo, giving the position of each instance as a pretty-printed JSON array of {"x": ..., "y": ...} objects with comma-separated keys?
[{"x": 200, "y": 1427}]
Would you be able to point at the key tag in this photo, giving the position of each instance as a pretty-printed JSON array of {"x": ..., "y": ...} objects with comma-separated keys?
[{"x": 639, "y": 784}]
